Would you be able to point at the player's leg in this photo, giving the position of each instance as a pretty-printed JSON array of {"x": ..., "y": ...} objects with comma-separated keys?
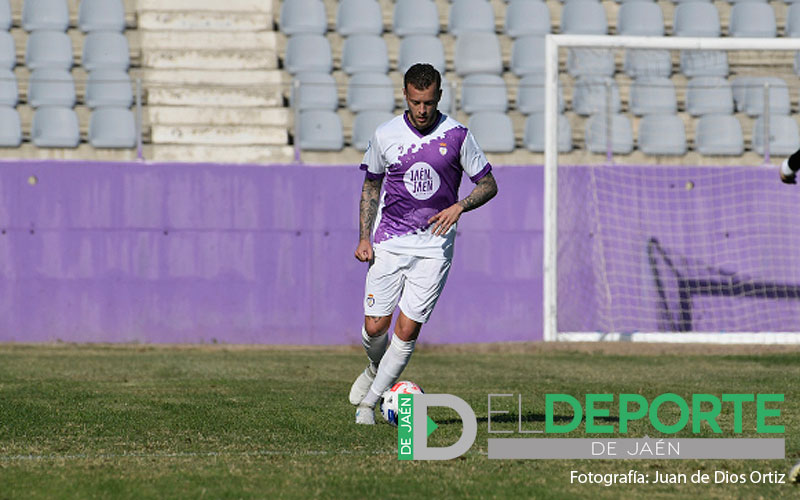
[
  {"x": 789, "y": 168},
  {"x": 425, "y": 280},
  {"x": 381, "y": 293},
  {"x": 374, "y": 338}
]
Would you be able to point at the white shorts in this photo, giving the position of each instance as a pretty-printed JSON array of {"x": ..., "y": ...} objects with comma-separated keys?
[{"x": 414, "y": 282}]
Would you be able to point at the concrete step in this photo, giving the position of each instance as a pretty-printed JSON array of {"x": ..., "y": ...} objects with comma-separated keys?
[
  {"x": 167, "y": 94},
  {"x": 167, "y": 20},
  {"x": 84, "y": 151},
  {"x": 211, "y": 40},
  {"x": 221, "y": 154},
  {"x": 233, "y": 78},
  {"x": 242, "y": 135},
  {"x": 189, "y": 115},
  {"x": 210, "y": 59},
  {"x": 261, "y": 6}
]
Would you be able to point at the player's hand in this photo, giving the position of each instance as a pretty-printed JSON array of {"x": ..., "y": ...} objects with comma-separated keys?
[
  {"x": 364, "y": 251},
  {"x": 444, "y": 220}
]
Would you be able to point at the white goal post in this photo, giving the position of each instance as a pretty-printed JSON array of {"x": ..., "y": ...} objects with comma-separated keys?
[{"x": 695, "y": 279}]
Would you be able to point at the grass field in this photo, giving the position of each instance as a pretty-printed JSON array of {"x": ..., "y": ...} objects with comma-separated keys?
[{"x": 100, "y": 421}]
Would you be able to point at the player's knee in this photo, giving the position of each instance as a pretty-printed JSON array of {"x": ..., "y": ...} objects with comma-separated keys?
[
  {"x": 376, "y": 326},
  {"x": 407, "y": 330}
]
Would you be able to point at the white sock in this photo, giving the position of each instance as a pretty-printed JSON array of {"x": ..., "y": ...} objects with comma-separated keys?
[
  {"x": 375, "y": 347},
  {"x": 390, "y": 368}
]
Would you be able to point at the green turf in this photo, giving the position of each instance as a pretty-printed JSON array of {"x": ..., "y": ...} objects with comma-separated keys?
[{"x": 217, "y": 422}]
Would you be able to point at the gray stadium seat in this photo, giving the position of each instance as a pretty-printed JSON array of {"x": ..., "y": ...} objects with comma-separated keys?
[
  {"x": 359, "y": 17},
  {"x": 643, "y": 18},
  {"x": 319, "y": 130},
  {"x": 365, "y": 54},
  {"x": 591, "y": 95},
  {"x": 653, "y": 95},
  {"x": 105, "y": 50},
  {"x": 662, "y": 135},
  {"x": 108, "y": 87},
  {"x": 493, "y": 131},
  {"x": 698, "y": 19},
  {"x": 8, "y": 51},
  {"x": 704, "y": 63},
  {"x": 641, "y": 63},
  {"x": 5, "y": 15},
  {"x": 308, "y": 52},
  {"x": 779, "y": 102},
  {"x": 584, "y": 17},
  {"x": 51, "y": 87},
  {"x": 590, "y": 61},
  {"x": 481, "y": 92},
  {"x": 530, "y": 95},
  {"x": 51, "y": 49},
  {"x": 9, "y": 93},
  {"x": 527, "y": 55},
  {"x": 621, "y": 134},
  {"x": 709, "y": 95},
  {"x": 534, "y": 134},
  {"x": 640, "y": 19},
  {"x": 314, "y": 91},
  {"x": 784, "y": 137},
  {"x": 446, "y": 102},
  {"x": 793, "y": 20},
  {"x": 370, "y": 91},
  {"x": 527, "y": 17},
  {"x": 416, "y": 17},
  {"x": 718, "y": 135},
  {"x": 421, "y": 48},
  {"x": 45, "y": 15},
  {"x": 55, "y": 127},
  {"x": 739, "y": 87},
  {"x": 10, "y": 127},
  {"x": 478, "y": 53},
  {"x": 303, "y": 17},
  {"x": 364, "y": 125},
  {"x": 112, "y": 128},
  {"x": 752, "y": 20},
  {"x": 101, "y": 15},
  {"x": 471, "y": 16}
]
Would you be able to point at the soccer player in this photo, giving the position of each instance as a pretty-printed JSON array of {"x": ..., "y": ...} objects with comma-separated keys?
[
  {"x": 789, "y": 168},
  {"x": 407, "y": 235}
]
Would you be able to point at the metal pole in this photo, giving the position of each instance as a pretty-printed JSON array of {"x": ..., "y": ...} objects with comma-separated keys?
[
  {"x": 609, "y": 144},
  {"x": 765, "y": 121},
  {"x": 139, "y": 153},
  {"x": 296, "y": 128}
]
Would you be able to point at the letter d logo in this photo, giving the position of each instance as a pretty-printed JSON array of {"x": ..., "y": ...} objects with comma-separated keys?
[{"x": 420, "y": 432}]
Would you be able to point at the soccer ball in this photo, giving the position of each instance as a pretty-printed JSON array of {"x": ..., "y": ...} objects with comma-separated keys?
[{"x": 389, "y": 400}]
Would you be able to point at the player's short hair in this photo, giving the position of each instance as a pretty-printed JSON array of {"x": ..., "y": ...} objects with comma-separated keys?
[{"x": 422, "y": 76}]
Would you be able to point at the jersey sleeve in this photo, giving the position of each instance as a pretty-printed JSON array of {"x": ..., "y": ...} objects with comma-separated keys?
[
  {"x": 374, "y": 162},
  {"x": 473, "y": 161}
]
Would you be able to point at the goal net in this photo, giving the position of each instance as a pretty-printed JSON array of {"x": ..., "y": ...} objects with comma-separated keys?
[{"x": 662, "y": 250}]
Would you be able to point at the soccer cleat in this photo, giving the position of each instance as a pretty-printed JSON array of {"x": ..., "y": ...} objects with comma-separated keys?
[
  {"x": 365, "y": 415},
  {"x": 788, "y": 173},
  {"x": 794, "y": 473},
  {"x": 362, "y": 384}
]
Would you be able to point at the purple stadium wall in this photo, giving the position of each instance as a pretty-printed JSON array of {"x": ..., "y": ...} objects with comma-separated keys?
[{"x": 143, "y": 252}]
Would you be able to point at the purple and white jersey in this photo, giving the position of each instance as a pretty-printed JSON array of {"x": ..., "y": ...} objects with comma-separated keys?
[{"x": 423, "y": 173}]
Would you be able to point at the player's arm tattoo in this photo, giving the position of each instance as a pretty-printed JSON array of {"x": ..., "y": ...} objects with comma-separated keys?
[
  {"x": 368, "y": 208},
  {"x": 484, "y": 191}
]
